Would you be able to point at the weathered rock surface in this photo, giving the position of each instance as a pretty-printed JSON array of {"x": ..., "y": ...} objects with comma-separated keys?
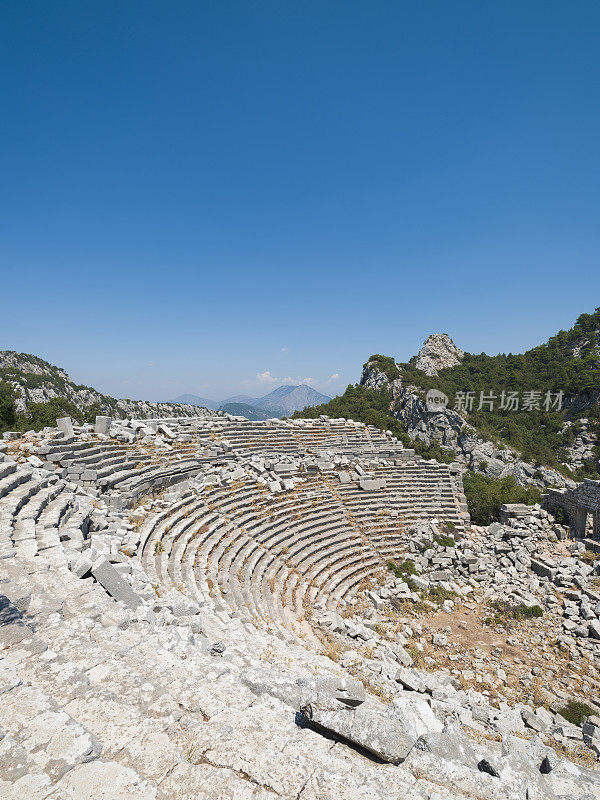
[
  {"x": 159, "y": 609},
  {"x": 438, "y": 352}
]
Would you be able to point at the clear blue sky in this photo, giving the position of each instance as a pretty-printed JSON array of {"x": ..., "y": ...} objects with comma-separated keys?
[{"x": 197, "y": 193}]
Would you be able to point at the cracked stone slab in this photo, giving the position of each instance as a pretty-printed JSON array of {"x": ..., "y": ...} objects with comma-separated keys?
[
  {"x": 30, "y": 787},
  {"x": 261, "y": 729},
  {"x": 153, "y": 758},
  {"x": 9, "y": 677},
  {"x": 51, "y": 739},
  {"x": 17, "y": 635},
  {"x": 103, "y": 780},
  {"x": 367, "y": 726},
  {"x": 56, "y": 675},
  {"x": 352, "y": 784},
  {"x": 14, "y": 761},
  {"x": 113, "y": 721},
  {"x": 193, "y": 781}
]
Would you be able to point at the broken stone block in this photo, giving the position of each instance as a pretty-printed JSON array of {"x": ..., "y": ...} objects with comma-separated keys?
[
  {"x": 449, "y": 745},
  {"x": 533, "y": 721},
  {"x": 80, "y": 565},
  {"x": 116, "y": 586},
  {"x": 410, "y": 680},
  {"x": 65, "y": 424},
  {"x": 368, "y": 727},
  {"x": 372, "y": 484},
  {"x": 594, "y": 629},
  {"x": 102, "y": 425},
  {"x": 414, "y": 715}
]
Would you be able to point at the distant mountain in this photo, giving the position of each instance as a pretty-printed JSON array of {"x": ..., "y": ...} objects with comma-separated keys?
[
  {"x": 287, "y": 399},
  {"x": 245, "y": 410},
  {"x": 240, "y": 398},
  {"x": 281, "y": 402},
  {"x": 194, "y": 400}
]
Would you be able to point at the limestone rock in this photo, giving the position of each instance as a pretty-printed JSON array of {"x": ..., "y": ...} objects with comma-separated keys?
[
  {"x": 438, "y": 352},
  {"x": 371, "y": 728}
]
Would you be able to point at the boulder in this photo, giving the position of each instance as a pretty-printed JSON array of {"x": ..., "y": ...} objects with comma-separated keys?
[{"x": 414, "y": 715}]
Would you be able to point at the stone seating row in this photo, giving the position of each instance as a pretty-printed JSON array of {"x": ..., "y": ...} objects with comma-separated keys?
[
  {"x": 269, "y": 560},
  {"x": 33, "y": 512}
]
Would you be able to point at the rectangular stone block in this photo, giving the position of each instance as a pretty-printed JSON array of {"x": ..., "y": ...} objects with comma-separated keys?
[
  {"x": 65, "y": 424},
  {"x": 102, "y": 425},
  {"x": 116, "y": 586},
  {"x": 371, "y": 729}
]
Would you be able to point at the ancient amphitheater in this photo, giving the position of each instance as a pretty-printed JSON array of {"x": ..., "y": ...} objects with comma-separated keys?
[{"x": 170, "y": 593}]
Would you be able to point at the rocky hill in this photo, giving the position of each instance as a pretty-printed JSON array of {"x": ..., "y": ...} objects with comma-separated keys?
[
  {"x": 535, "y": 416},
  {"x": 244, "y": 410},
  {"x": 450, "y": 430},
  {"x": 38, "y": 387}
]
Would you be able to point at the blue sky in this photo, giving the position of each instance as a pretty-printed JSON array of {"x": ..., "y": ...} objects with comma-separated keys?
[{"x": 196, "y": 194}]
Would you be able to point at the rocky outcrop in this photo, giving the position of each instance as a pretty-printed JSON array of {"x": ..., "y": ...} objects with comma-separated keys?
[
  {"x": 438, "y": 352},
  {"x": 36, "y": 381},
  {"x": 583, "y": 445},
  {"x": 450, "y": 430},
  {"x": 373, "y": 378}
]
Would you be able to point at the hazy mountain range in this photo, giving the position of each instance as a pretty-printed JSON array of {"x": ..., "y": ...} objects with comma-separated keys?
[{"x": 281, "y": 402}]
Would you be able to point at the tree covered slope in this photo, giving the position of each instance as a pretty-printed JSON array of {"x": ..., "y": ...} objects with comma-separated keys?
[{"x": 391, "y": 395}]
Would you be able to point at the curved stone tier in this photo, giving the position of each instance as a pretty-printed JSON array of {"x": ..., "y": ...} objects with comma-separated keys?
[{"x": 271, "y": 523}]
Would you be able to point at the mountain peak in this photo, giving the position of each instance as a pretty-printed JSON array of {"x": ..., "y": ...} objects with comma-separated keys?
[
  {"x": 286, "y": 399},
  {"x": 438, "y": 352}
]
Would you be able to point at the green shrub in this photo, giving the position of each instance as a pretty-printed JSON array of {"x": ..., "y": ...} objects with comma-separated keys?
[
  {"x": 576, "y": 712},
  {"x": 485, "y": 496},
  {"x": 444, "y": 541},
  {"x": 403, "y": 568},
  {"x": 41, "y": 415},
  {"x": 438, "y": 594},
  {"x": 8, "y": 411},
  {"x": 505, "y": 613},
  {"x": 560, "y": 516}
]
